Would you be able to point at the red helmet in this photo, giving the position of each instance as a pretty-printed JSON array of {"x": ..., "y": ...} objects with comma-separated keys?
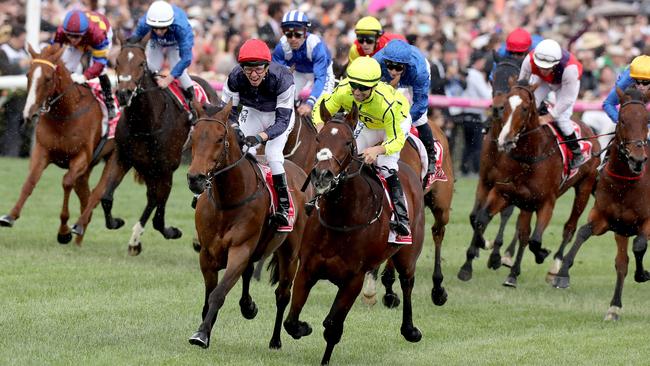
[
  {"x": 518, "y": 41},
  {"x": 254, "y": 50}
]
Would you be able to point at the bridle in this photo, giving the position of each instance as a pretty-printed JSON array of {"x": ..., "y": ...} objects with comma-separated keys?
[
  {"x": 50, "y": 101},
  {"x": 623, "y": 143},
  {"x": 145, "y": 70}
]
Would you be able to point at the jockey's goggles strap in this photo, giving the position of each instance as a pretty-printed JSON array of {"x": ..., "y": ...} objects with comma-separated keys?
[
  {"x": 44, "y": 62},
  {"x": 253, "y": 63}
]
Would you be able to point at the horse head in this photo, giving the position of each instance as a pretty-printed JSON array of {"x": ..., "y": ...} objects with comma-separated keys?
[
  {"x": 42, "y": 79},
  {"x": 213, "y": 141},
  {"x": 632, "y": 129},
  {"x": 335, "y": 150},
  {"x": 131, "y": 69},
  {"x": 520, "y": 115},
  {"x": 503, "y": 77}
]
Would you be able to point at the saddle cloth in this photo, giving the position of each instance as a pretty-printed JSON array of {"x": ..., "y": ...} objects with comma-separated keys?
[
  {"x": 392, "y": 236},
  {"x": 585, "y": 147},
  {"x": 199, "y": 94},
  {"x": 266, "y": 172},
  {"x": 108, "y": 127},
  {"x": 439, "y": 174}
]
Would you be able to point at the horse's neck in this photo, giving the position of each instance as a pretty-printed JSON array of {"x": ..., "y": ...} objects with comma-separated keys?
[
  {"x": 239, "y": 181},
  {"x": 147, "y": 102},
  {"x": 535, "y": 140},
  {"x": 71, "y": 94},
  {"x": 355, "y": 189}
]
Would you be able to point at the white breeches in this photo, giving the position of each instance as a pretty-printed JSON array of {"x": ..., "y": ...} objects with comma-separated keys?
[
  {"x": 366, "y": 137},
  {"x": 156, "y": 55},
  {"x": 72, "y": 56},
  {"x": 252, "y": 122},
  {"x": 303, "y": 80}
]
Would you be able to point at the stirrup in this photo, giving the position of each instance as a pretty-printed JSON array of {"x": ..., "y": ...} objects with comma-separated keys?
[
  {"x": 577, "y": 161},
  {"x": 281, "y": 219},
  {"x": 400, "y": 228}
]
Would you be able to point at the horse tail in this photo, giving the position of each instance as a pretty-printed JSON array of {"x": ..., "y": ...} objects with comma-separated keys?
[
  {"x": 273, "y": 268},
  {"x": 137, "y": 177}
]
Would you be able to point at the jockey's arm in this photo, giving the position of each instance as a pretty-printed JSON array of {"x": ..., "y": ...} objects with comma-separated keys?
[
  {"x": 231, "y": 93},
  {"x": 185, "y": 41},
  {"x": 526, "y": 69},
  {"x": 99, "y": 53},
  {"x": 610, "y": 103},
  {"x": 395, "y": 137},
  {"x": 278, "y": 55},
  {"x": 321, "y": 64},
  {"x": 332, "y": 104},
  {"x": 420, "y": 97},
  {"x": 568, "y": 92},
  {"x": 283, "y": 111}
]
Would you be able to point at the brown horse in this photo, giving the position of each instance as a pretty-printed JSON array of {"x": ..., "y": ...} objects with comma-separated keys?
[
  {"x": 347, "y": 233},
  {"x": 67, "y": 134},
  {"x": 149, "y": 138},
  {"x": 529, "y": 175},
  {"x": 619, "y": 205},
  {"x": 233, "y": 222}
]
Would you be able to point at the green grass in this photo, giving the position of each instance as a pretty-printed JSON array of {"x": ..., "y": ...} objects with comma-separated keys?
[{"x": 96, "y": 305}]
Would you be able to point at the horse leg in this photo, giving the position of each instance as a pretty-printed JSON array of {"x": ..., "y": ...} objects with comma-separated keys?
[
  {"x": 37, "y": 164},
  {"x": 506, "y": 259},
  {"x": 438, "y": 293},
  {"x": 405, "y": 265},
  {"x": 302, "y": 285},
  {"x": 334, "y": 321},
  {"x": 158, "y": 193},
  {"x": 369, "y": 289},
  {"x": 259, "y": 267},
  {"x": 390, "y": 300},
  {"x": 238, "y": 258},
  {"x": 523, "y": 226},
  {"x": 582, "y": 192},
  {"x": 494, "y": 261},
  {"x": 287, "y": 258},
  {"x": 613, "y": 313},
  {"x": 246, "y": 304},
  {"x": 639, "y": 247},
  {"x": 76, "y": 169},
  {"x": 135, "y": 244},
  {"x": 82, "y": 189},
  {"x": 544, "y": 215}
]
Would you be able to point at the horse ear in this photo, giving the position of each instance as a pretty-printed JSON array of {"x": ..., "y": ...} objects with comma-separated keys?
[
  {"x": 119, "y": 37},
  {"x": 58, "y": 53},
  {"x": 145, "y": 39},
  {"x": 621, "y": 94},
  {"x": 512, "y": 80},
  {"x": 223, "y": 114},
  {"x": 31, "y": 51},
  {"x": 324, "y": 113},
  {"x": 353, "y": 117}
]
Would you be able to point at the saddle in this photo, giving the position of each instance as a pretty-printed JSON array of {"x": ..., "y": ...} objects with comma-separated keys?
[
  {"x": 177, "y": 92},
  {"x": 268, "y": 178},
  {"x": 586, "y": 148}
]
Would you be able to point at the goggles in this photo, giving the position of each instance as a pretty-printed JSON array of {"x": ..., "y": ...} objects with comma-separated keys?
[
  {"x": 642, "y": 82},
  {"x": 359, "y": 87},
  {"x": 366, "y": 39},
  {"x": 294, "y": 34},
  {"x": 394, "y": 66}
]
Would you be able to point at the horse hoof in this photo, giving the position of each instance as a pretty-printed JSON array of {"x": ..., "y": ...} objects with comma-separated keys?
[
  {"x": 464, "y": 275},
  {"x": 613, "y": 313},
  {"x": 391, "y": 301},
  {"x": 411, "y": 334},
  {"x": 172, "y": 233},
  {"x": 510, "y": 281},
  {"x": 494, "y": 262},
  {"x": 77, "y": 229},
  {"x": 642, "y": 276},
  {"x": 541, "y": 255},
  {"x": 196, "y": 245},
  {"x": 506, "y": 260},
  {"x": 248, "y": 309},
  {"x": 439, "y": 296},
  {"x": 298, "y": 329},
  {"x": 135, "y": 250},
  {"x": 7, "y": 221},
  {"x": 200, "y": 339},
  {"x": 560, "y": 282},
  {"x": 64, "y": 238},
  {"x": 115, "y": 223},
  {"x": 275, "y": 344}
]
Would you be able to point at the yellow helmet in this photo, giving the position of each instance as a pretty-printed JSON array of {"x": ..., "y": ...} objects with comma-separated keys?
[
  {"x": 365, "y": 71},
  {"x": 368, "y": 25},
  {"x": 640, "y": 68}
]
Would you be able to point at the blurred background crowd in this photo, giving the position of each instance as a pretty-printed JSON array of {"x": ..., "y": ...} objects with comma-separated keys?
[{"x": 454, "y": 35}]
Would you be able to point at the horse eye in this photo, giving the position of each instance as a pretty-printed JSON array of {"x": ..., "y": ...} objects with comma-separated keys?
[{"x": 220, "y": 140}]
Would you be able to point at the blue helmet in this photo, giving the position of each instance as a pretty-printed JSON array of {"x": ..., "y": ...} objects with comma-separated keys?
[
  {"x": 397, "y": 51},
  {"x": 295, "y": 19}
]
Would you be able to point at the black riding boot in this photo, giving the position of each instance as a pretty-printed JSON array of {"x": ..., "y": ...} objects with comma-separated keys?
[
  {"x": 105, "y": 83},
  {"x": 574, "y": 146},
  {"x": 426, "y": 136},
  {"x": 189, "y": 97},
  {"x": 401, "y": 225},
  {"x": 281, "y": 216}
]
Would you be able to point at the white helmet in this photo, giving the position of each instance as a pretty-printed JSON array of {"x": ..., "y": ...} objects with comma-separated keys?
[
  {"x": 160, "y": 14},
  {"x": 548, "y": 53}
]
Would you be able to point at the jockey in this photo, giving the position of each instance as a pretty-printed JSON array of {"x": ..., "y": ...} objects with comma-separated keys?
[
  {"x": 370, "y": 38},
  {"x": 637, "y": 76},
  {"x": 265, "y": 90},
  {"x": 171, "y": 37},
  {"x": 308, "y": 57},
  {"x": 558, "y": 70},
  {"x": 87, "y": 31},
  {"x": 383, "y": 117},
  {"x": 406, "y": 63},
  {"x": 517, "y": 46}
]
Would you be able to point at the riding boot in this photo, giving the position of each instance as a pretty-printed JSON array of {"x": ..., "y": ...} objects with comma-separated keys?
[
  {"x": 105, "y": 83},
  {"x": 189, "y": 97},
  {"x": 401, "y": 225},
  {"x": 281, "y": 216},
  {"x": 426, "y": 136},
  {"x": 574, "y": 146}
]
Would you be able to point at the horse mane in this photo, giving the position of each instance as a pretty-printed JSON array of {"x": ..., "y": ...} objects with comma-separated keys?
[
  {"x": 635, "y": 94},
  {"x": 505, "y": 68},
  {"x": 523, "y": 83}
]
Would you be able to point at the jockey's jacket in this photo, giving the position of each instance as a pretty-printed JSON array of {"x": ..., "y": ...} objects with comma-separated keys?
[
  {"x": 179, "y": 34},
  {"x": 566, "y": 74},
  {"x": 95, "y": 41},
  {"x": 623, "y": 82},
  {"x": 384, "y": 109},
  {"x": 312, "y": 57},
  {"x": 415, "y": 75},
  {"x": 274, "y": 94},
  {"x": 382, "y": 41}
]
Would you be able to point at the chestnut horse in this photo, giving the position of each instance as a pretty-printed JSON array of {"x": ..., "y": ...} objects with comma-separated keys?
[
  {"x": 529, "y": 175},
  {"x": 68, "y": 132},
  {"x": 347, "y": 233},
  {"x": 619, "y": 205},
  {"x": 149, "y": 138},
  {"x": 233, "y": 222}
]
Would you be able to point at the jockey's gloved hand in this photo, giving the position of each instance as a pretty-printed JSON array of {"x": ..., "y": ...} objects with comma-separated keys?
[
  {"x": 240, "y": 135},
  {"x": 252, "y": 141},
  {"x": 78, "y": 78}
]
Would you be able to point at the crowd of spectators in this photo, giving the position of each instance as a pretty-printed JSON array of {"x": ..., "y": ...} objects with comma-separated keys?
[{"x": 454, "y": 35}]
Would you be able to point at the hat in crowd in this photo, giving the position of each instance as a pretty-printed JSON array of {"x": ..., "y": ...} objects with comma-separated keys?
[
  {"x": 471, "y": 13},
  {"x": 476, "y": 55},
  {"x": 615, "y": 50},
  {"x": 480, "y": 41},
  {"x": 590, "y": 41},
  {"x": 195, "y": 12},
  {"x": 5, "y": 33}
]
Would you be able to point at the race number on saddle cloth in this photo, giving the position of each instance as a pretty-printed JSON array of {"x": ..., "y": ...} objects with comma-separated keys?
[
  {"x": 108, "y": 126},
  {"x": 275, "y": 201},
  {"x": 586, "y": 147}
]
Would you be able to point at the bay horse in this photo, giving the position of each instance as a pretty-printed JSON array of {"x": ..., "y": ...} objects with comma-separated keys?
[
  {"x": 346, "y": 235},
  {"x": 68, "y": 131},
  {"x": 619, "y": 205},
  {"x": 529, "y": 175},
  {"x": 149, "y": 138},
  {"x": 233, "y": 222}
]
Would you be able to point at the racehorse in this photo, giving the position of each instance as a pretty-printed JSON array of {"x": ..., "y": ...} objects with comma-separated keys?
[
  {"x": 347, "y": 233},
  {"x": 68, "y": 132},
  {"x": 149, "y": 138},
  {"x": 619, "y": 207},
  {"x": 233, "y": 222},
  {"x": 529, "y": 175}
]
